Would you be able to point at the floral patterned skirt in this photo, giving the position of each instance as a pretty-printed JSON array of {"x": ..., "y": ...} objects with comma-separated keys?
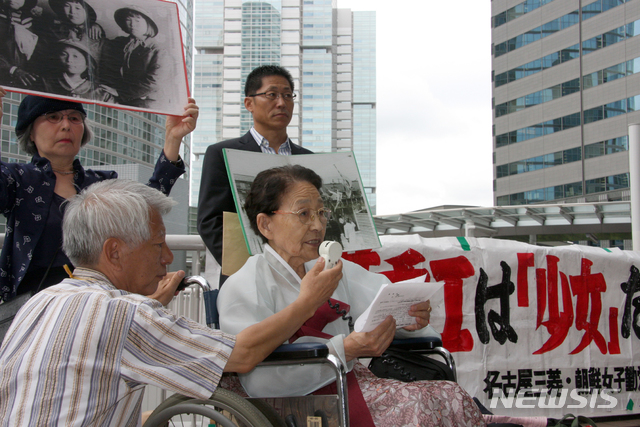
[
  {"x": 420, "y": 403},
  {"x": 394, "y": 403}
]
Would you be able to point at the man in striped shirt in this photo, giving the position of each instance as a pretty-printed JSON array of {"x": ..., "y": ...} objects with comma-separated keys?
[{"x": 81, "y": 352}]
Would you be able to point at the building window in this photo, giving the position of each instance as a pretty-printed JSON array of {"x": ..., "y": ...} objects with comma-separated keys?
[
  {"x": 602, "y": 148},
  {"x": 538, "y": 65},
  {"x": 607, "y": 39},
  {"x": 517, "y": 11},
  {"x": 591, "y": 115},
  {"x": 540, "y": 162},
  {"x": 598, "y": 185},
  {"x": 537, "y": 98},
  {"x": 536, "y": 34}
]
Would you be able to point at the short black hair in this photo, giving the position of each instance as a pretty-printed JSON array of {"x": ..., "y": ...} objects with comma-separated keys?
[
  {"x": 254, "y": 79},
  {"x": 269, "y": 187}
]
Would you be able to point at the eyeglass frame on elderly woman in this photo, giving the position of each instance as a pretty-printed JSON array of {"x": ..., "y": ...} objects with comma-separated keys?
[
  {"x": 323, "y": 214},
  {"x": 49, "y": 116}
]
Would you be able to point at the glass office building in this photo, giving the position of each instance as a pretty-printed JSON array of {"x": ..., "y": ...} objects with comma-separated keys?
[
  {"x": 566, "y": 86},
  {"x": 330, "y": 53}
]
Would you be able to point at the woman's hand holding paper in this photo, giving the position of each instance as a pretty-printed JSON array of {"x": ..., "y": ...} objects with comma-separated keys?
[
  {"x": 370, "y": 344},
  {"x": 422, "y": 313}
]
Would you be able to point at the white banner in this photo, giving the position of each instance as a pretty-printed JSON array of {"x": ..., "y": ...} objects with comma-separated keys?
[{"x": 535, "y": 331}]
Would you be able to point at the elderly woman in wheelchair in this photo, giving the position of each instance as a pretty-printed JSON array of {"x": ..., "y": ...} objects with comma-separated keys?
[{"x": 285, "y": 208}]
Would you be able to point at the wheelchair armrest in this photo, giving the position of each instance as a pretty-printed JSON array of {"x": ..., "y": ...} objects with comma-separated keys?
[
  {"x": 427, "y": 345},
  {"x": 419, "y": 343},
  {"x": 298, "y": 351}
]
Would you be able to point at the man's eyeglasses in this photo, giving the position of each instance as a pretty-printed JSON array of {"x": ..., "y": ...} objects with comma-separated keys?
[
  {"x": 74, "y": 117},
  {"x": 272, "y": 96},
  {"x": 307, "y": 216}
]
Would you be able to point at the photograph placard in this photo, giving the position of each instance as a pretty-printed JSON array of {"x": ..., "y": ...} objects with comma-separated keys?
[
  {"x": 119, "y": 53},
  {"x": 342, "y": 191}
]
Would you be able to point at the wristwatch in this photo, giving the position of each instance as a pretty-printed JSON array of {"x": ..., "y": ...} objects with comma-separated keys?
[{"x": 178, "y": 163}]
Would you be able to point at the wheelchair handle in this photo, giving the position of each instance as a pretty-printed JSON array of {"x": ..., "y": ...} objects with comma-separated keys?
[{"x": 194, "y": 280}]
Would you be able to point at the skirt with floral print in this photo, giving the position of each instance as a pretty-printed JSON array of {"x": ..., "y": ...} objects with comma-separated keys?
[{"x": 394, "y": 403}]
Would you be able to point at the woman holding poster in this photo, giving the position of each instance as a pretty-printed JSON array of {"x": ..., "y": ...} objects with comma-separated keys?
[
  {"x": 285, "y": 208},
  {"x": 32, "y": 195}
]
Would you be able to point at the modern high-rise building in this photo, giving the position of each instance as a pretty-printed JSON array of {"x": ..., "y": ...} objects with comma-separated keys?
[
  {"x": 566, "y": 86},
  {"x": 330, "y": 53},
  {"x": 120, "y": 137}
]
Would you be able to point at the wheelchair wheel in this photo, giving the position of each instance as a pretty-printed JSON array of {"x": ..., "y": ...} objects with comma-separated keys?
[
  {"x": 174, "y": 399},
  {"x": 224, "y": 407}
]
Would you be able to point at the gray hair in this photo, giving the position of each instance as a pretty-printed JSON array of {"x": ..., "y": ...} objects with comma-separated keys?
[
  {"x": 114, "y": 208},
  {"x": 27, "y": 145}
]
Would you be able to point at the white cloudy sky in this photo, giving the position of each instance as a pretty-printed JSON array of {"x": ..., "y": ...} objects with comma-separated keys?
[{"x": 433, "y": 102}]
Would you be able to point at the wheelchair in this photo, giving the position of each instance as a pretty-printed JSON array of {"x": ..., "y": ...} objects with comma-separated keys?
[{"x": 225, "y": 408}]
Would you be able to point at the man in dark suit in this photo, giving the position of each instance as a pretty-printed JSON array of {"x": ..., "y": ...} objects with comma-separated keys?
[{"x": 270, "y": 99}]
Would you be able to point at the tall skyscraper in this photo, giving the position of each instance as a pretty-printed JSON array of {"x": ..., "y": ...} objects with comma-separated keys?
[
  {"x": 120, "y": 137},
  {"x": 566, "y": 85},
  {"x": 330, "y": 53}
]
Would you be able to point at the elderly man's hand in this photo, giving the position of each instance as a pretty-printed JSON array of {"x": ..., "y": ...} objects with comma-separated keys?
[
  {"x": 422, "y": 313},
  {"x": 370, "y": 344},
  {"x": 167, "y": 287}
]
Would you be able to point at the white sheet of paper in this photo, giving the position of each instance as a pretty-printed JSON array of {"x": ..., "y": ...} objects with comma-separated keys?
[{"x": 395, "y": 300}]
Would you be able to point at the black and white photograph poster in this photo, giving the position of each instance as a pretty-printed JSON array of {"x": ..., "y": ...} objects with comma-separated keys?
[
  {"x": 342, "y": 192},
  {"x": 118, "y": 53}
]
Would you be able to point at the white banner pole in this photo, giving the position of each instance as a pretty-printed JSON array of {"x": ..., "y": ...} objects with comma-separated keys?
[{"x": 634, "y": 183}]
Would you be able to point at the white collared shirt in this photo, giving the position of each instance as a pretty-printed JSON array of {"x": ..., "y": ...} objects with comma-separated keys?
[{"x": 284, "y": 150}]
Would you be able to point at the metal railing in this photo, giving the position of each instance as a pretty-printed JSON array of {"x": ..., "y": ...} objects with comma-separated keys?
[
  {"x": 176, "y": 242},
  {"x": 189, "y": 302},
  {"x": 189, "y": 243}
]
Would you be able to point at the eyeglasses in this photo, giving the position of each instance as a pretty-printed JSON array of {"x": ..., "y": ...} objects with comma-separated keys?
[
  {"x": 272, "y": 96},
  {"x": 307, "y": 216},
  {"x": 74, "y": 117}
]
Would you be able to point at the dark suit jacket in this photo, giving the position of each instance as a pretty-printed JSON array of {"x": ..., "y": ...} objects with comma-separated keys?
[{"x": 215, "y": 191}]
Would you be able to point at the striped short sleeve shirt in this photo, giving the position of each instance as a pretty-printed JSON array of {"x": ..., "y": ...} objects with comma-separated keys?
[{"x": 81, "y": 352}]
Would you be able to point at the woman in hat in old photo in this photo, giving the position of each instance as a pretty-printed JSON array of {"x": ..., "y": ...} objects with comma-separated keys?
[
  {"x": 22, "y": 51},
  {"x": 131, "y": 64},
  {"x": 72, "y": 78}
]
